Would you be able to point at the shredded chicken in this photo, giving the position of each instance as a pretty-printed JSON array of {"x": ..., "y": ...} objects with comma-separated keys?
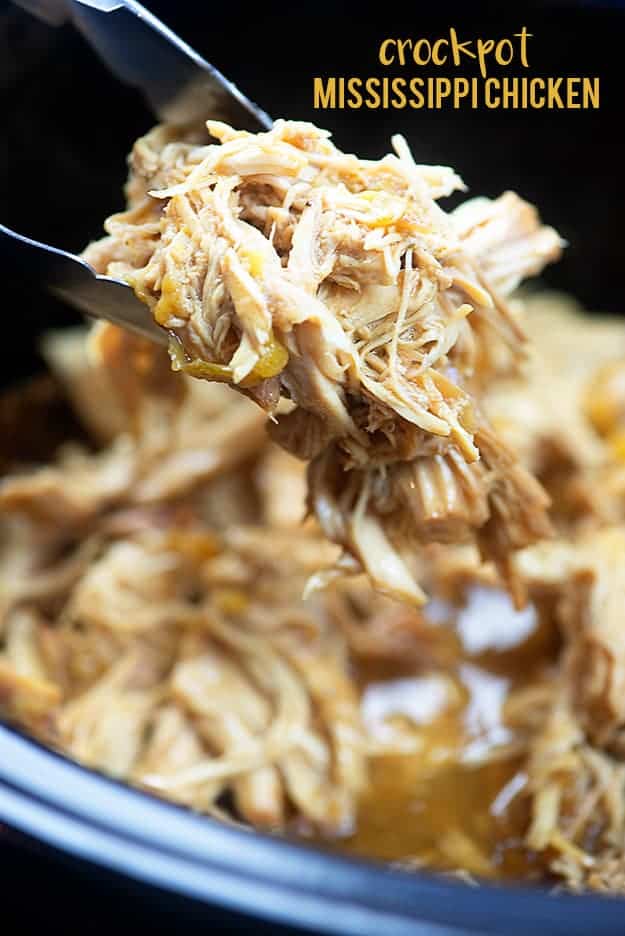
[
  {"x": 150, "y": 640},
  {"x": 178, "y": 661},
  {"x": 576, "y": 764},
  {"x": 287, "y": 268},
  {"x": 161, "y": 618}
]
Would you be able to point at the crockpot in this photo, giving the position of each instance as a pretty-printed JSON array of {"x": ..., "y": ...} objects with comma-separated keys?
[{"x": 67, "y": 127}]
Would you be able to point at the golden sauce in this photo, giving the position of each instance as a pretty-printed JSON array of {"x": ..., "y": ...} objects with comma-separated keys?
[
  {"x": 431, "y": 806},
  {"x": 439, "y": 818}
]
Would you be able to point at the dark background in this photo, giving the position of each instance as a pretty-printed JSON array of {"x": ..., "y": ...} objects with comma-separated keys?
[
  {"x": 44, "y": 892},
  {"x": 66, "y": 127}
]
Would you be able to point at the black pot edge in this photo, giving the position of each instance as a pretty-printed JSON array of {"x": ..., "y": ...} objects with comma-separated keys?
[{"x": 85, "y": 814}]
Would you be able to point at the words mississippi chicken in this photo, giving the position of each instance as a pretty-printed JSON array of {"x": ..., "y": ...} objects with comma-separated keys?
[{"x": 448, "y": 52}]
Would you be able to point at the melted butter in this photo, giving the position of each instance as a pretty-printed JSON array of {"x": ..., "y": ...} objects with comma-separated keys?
[
  {"x": 419, "y": 698},
  {"x": 483, "y": 723},
  {"x": 430, "y": 808},
  {"x": 489, "y": 621},
  {"x": 435, "y": 799},
  {"x": 439, "y": 816}
]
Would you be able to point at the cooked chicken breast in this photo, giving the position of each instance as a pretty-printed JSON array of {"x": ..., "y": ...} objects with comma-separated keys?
[{"x": 288, "y": 269}]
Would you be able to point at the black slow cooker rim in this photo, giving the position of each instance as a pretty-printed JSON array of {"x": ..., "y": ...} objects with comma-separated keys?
[{"x": 93, "y": 817}]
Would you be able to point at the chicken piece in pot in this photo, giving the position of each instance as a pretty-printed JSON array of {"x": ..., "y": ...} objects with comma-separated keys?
[{"x": 286, "y": 268}]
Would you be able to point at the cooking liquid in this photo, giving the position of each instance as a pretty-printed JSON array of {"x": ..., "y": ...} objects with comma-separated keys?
[{"x": 452, "y": 801}]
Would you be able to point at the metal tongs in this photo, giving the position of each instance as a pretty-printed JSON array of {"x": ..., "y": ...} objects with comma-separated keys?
[{"x": 180, "y": 86}]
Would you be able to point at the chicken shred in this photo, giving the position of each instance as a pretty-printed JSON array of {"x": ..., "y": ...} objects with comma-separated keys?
[{"x": 289, "y": 269}]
